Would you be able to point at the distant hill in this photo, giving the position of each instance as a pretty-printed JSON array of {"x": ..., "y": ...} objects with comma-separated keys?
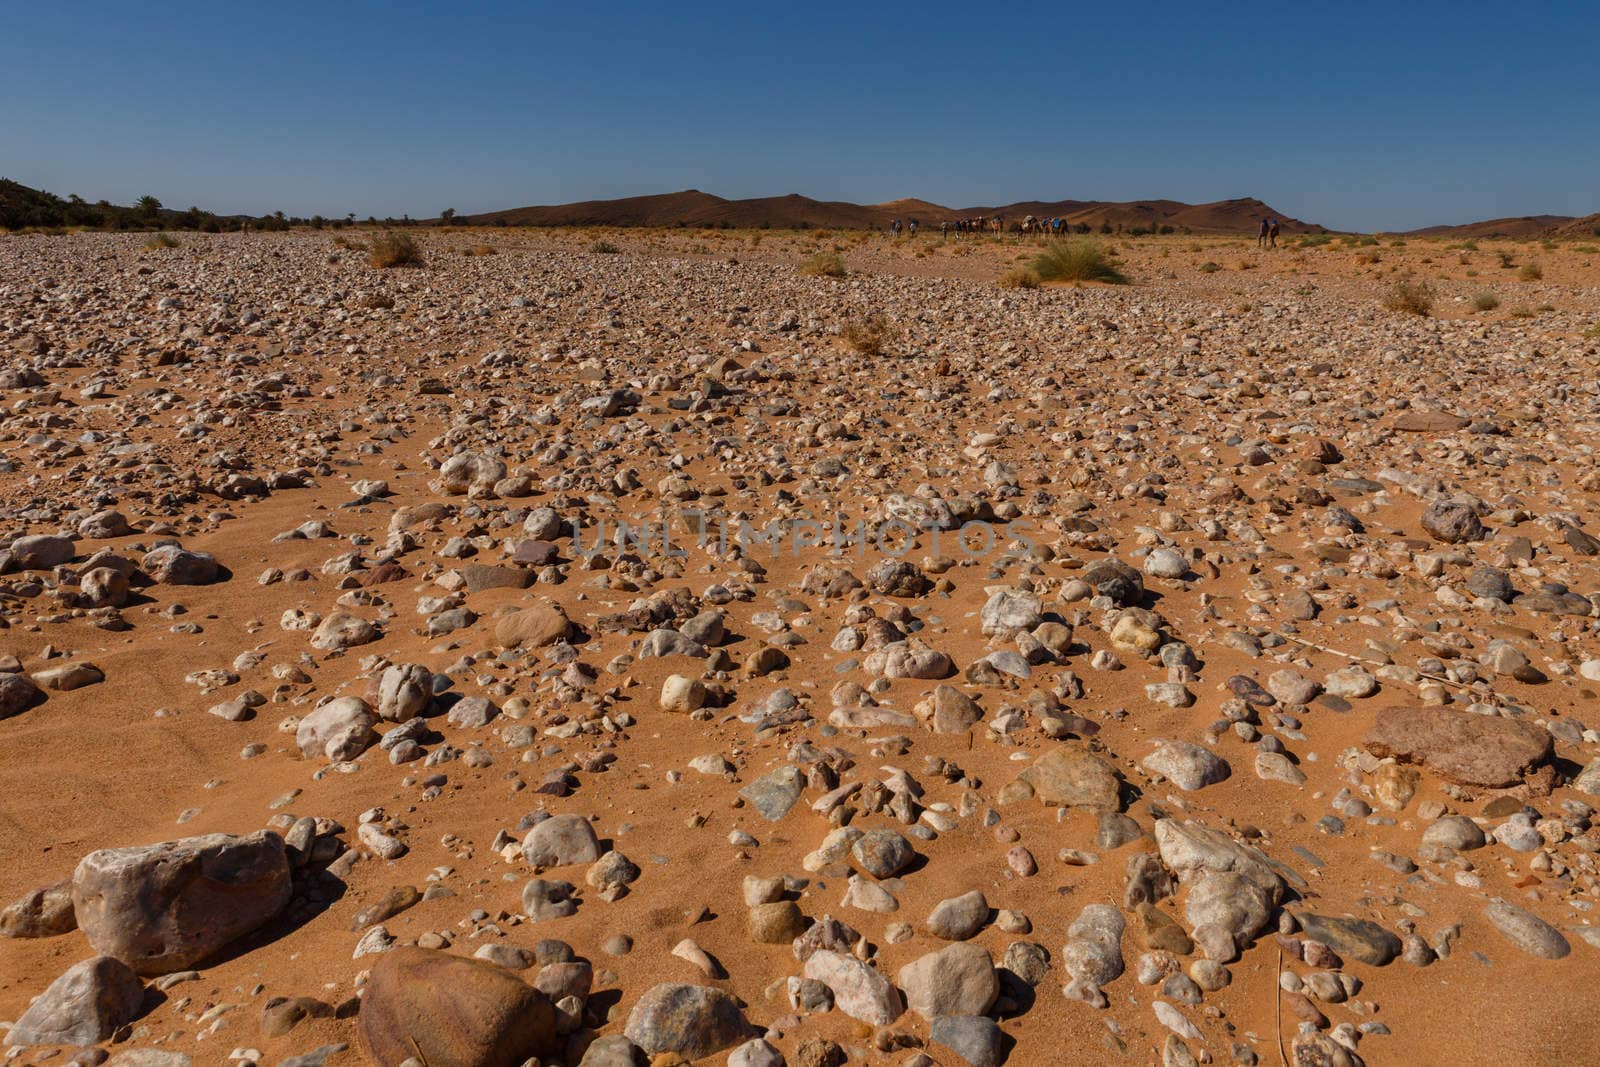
[
  {"x": 697, "y": 209},
  {"x": 1523, "y": 226},
  {"x": 1588, "y": 226}
]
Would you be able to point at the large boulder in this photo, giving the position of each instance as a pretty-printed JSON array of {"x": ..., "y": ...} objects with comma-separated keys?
[
  {"x": 84, "y": 1006},
  {"x": 1452, "y": 522},
  {"x": 41, "y": 552},
  {"x": 1010, "y": 610},
  {"x": 1460, "y": 747},
  {"x": 470, "y": 472},
  {"x": 449, "y": 1011},
  {"x": 339, "y": 730},
  {"x": 692, "y": 1021},
  {"x": 1185, "y": 764},
  {"x": 166, "y": 907},
  {"x": 858, "y": 990}
]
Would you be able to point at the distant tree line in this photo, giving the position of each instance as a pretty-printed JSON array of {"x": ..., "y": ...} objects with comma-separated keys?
[{"x": 24, "y": 208}]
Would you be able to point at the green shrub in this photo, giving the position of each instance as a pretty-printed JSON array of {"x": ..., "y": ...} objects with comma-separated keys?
[{"x": 1078, "y": 260}]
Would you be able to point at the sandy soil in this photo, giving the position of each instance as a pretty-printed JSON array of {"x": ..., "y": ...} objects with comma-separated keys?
[{"x": 1181, "y": 412}]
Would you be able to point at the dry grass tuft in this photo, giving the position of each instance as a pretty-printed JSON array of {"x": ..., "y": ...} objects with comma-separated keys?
[
  {"x": 869, "y": 336},
  {"x": 1409, "y": 296},
  {"x": 605, "y": 248},
  {"x": 1485, "y": 302},
  {"x": 392, "y": 248},
  {"x": 1531, "y": 272},
  {"x": 159, "y": 241},
  {"x": 1019, "y": 278},
  {"x": 822, "y": 265}
]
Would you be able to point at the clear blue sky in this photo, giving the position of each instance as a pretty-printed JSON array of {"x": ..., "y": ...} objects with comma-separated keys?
[{"x": 1355, "y": 115}]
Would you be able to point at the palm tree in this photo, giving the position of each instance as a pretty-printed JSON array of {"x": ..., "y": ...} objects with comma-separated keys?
[{"x": 149, "y": 207}]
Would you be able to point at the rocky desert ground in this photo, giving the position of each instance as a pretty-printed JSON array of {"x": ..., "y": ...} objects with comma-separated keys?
[{"x": 556, "y": 655}]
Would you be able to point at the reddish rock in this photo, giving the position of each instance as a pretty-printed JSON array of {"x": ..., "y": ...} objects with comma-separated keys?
[
  {"x": 533, "y": 627},
  {"x": 1473, "y": 750},
  {"x": 450, "y": 1011}
]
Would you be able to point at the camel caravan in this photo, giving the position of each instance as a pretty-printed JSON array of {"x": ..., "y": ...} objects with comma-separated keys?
[{"x": 992, "y": 224}]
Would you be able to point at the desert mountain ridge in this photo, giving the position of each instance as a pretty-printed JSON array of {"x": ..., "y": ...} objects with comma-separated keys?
[
  {"x": 694, "y": 208},
  {"x": 23, "y": 207},
  {"x": 1520, "y": 226}
]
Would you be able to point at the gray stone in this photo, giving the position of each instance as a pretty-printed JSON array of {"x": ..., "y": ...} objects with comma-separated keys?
[
  {"x": 84, "y": 1006},
  {"x": 339, "y": 730},
  {"x": 883, "y": 853},
  {"x": 1526, "y": 930},
  {"x": 1187, "y": 766},
  {"x": 1357, "y": 939},
  {"x": 559, "y": 841},
  {"x": 958, "y": 918},
  {"x": 774, "y": 794},
  {"x": 957, "y": 980},
  {"x": 975, "y": 1038},
  {"x": 167, "y": 907},
  {"x": 693, "y": 1021},
  {"x": 858, "y": 990}
]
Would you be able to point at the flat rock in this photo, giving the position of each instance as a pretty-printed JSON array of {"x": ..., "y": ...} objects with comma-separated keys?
[
  {"x": 1356, "y": 939},
  {"x": 1460, "y": 747},
  {"x": 1066, "y": 777}
]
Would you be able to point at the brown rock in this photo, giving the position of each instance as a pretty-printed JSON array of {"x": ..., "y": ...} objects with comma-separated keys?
[
  {"x": 282, "y": 1014},
  {"x": 777, "y": 923},
  {"x": 533, "y": 627},
  {"x": 44, "y": 912},
  {"x": 481, "y": 576},
  {"x": 448, "y": 1010},
  {"x": 1473, "y": 750},
  {"x": 1065, "y": 777},
  {"x": 1415, "y": 421},
  {"x": 1453, "y": 523}
]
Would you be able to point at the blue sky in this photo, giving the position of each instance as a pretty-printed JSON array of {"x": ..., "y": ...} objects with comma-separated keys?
[{"x": 1363, "y": 116}]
